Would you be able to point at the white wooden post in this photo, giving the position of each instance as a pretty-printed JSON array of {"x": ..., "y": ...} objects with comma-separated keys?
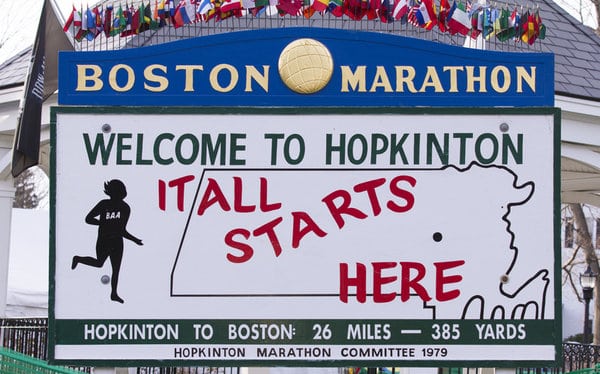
[{"x": 7, "y": 195}]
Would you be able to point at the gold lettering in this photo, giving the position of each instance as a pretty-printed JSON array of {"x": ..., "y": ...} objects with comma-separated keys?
[
  {"x": 472, "y": 78},
  {"x": 453, "y": 76},
  {"x": 149, "y": 75},
  {"x": 252, "y": 74},
  {"x": 189, "y": 75},
  {"x": 112, "y": 78},
  {"x": 381, "y": 80},
  {"x": 214, "y": 75},
  {"x": 354, "y": 80},
  {"x": 529, "y": 78},
  {"x": 432, "y": 80},
  {"x": 494, "y": 81},
  {"x": 402, "y": 79},
  {"x": 83, "y": 78}
]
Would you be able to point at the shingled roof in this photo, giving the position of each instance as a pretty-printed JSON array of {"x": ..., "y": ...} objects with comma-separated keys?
[
  {"x": 576, "y": 48},
  {"x": 13, "y": 72}
]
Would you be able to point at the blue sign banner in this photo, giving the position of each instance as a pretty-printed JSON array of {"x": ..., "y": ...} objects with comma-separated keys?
[{"x": 313, "y": 67}]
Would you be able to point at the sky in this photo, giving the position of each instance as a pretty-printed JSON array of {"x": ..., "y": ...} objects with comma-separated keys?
[{"x": 18, "y": 29}]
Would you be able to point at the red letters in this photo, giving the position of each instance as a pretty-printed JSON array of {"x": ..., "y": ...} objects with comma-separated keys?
[
  {"x": 341, "y": 205},
  {"x": 379, "y": 280},
  {"x": 214, "y": 194},
  {"x": 360, "y": 282},
  {"x": 344, "y": 198},
  {"x": 298, "y": 233},
  {"x": 213, "y": 189},
  {"x": 411, "y": 274},
  {"x": 247, "y": 250},
  {"x": 269, "y": 229},
  {"x": 179, "y": 184},
  {"x": 440, "y": 295},
  {"x": 370, "y": 187},
  {"x": 343, "y": 208},
  {"x": 399, "y": 192}
]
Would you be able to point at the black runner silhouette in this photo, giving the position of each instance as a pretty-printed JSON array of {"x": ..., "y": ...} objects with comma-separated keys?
[{"x": 111, "y": 216}]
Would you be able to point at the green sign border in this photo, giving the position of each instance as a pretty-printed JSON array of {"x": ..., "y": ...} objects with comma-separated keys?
[{"x": 455, "y": 111}]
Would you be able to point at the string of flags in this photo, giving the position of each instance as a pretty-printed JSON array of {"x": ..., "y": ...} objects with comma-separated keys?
[{"x": 467, "y": 19}]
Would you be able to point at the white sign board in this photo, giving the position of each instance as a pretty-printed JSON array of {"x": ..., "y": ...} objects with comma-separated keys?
[{"x": 330, "y": 236}]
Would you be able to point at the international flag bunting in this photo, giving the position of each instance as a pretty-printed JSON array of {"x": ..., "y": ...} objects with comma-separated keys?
[{"x": 461, "y": 17}]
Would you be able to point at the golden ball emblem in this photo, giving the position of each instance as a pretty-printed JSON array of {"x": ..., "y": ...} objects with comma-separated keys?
[{"x": 305, "y": 66}]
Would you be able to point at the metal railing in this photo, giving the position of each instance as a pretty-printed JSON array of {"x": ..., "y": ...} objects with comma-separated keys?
[
  {"x": 580, "y": 356},
  {"x": 12, "y": 362}
]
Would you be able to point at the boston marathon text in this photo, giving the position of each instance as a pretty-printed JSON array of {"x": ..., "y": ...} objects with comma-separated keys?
[
  {"x": 224, "y": 78},
  {"x": 220, "y": 149}
]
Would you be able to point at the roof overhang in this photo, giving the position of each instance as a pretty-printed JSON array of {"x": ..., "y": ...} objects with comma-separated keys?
[{"x": 580, "y": 150}]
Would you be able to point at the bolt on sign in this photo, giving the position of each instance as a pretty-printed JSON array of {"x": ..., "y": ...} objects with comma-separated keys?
[{"x": 348, "y": 232}]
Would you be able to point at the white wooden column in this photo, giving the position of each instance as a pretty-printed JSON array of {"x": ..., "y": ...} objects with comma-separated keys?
[{"x": 7, "y": 195}]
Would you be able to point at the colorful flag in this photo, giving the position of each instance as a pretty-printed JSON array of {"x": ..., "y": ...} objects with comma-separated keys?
[
  {"x": 142, "y": 26},
  {"x": 372, "y": 13},
  {"x": 458, "y": 20},
  {"x": 501, "y": 25},
  {"x": 476, "y": 23},
  {"x": 99, "y": 19},
  {"x": 488, "y": 23},
  {"x": 230, "y": 5},
  {"x": 146, "y": 18},
  {"x": 501, "y": 16},
  {"x": 178, "y": 18},
  {"x": 119, "y": 22},
  {"x": 307, "y": 10},
  {"x": 160, "y": 9},
  {"x": 443, "y": 15},
  {"x": 541, "y": 26},
  {"x": 190, "y": 10},
  {"x": 91, "y": 24},
  {"x": 107, "y": 27},
  {"x": 135, "y": 20},
  {"x": 132, "y": 17},
  {"x": 291, "y": 7},
  {"x": 167, "y": 10},
  {"x": 413, "y": 10},
  {"x": 173, "y": 8},
  {"x": 204, "y": 7},
  {"x": 335, "y": 7},
  {"x": 83, "y": 26},
  {"x": 127, "y": 16},
  {"x": 530, "y": 28},
  {"x": 320, "y": 5},
  {"x": 69, "y": 21},
  {"x": 385, "y": 12},
  {"x": 429, "y": 14},
  {"x": 400, "y": 9},
  {"x": 185, "y": 13}
]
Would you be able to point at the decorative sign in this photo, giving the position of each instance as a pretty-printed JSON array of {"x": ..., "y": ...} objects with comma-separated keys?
[
  {"x": 306, "y": 67},
  {"x": 305, "y": 237}
]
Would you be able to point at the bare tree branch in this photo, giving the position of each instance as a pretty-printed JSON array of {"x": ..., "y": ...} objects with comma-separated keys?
[
  {"x": 568, "y": 269},
  {"x": 584, "y": 240}
]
